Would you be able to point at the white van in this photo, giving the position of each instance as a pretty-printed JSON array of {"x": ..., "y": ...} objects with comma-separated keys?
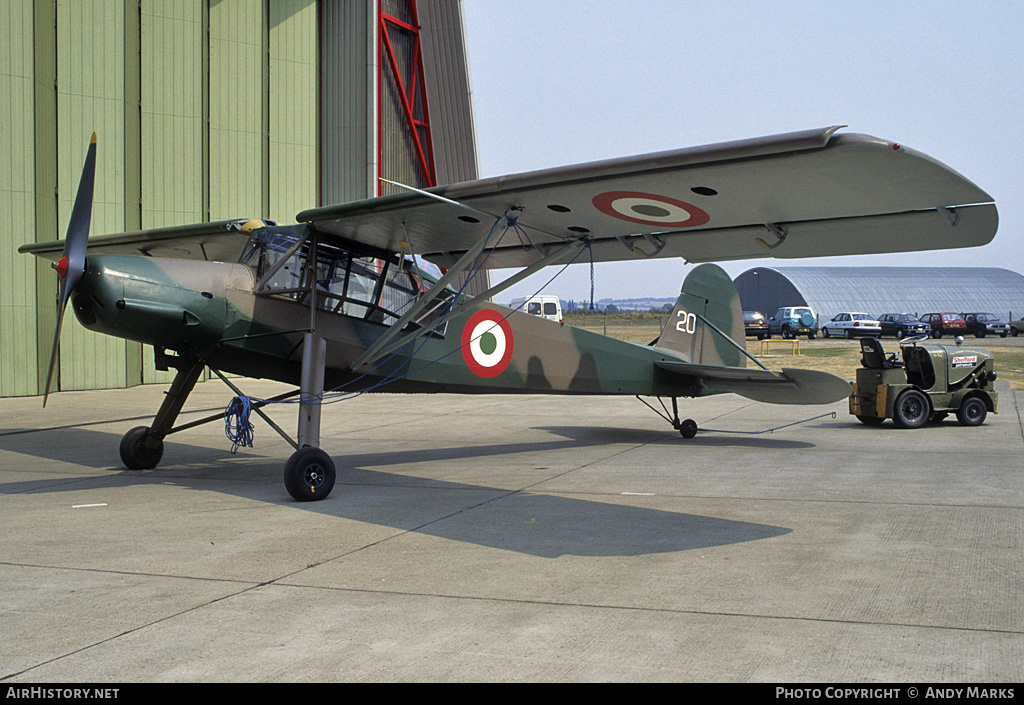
[{"x": 541, "y": 305}]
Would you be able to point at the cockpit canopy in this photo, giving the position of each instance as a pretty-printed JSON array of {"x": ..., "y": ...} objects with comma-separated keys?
[{"x": 377, "y": 287}]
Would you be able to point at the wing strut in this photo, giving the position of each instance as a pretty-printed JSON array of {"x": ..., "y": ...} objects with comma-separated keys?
[
  {"x": 469, "y": 259},
  {"x": 556, "y": 253}
]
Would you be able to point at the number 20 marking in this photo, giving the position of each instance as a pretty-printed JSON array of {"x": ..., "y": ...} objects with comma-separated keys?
[{"x": 687, "y": 322}]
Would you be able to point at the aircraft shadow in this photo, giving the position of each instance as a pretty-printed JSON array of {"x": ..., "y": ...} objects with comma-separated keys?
[
  {"x": 533, "y": 523},
  {"x": 708, "y": 437}
]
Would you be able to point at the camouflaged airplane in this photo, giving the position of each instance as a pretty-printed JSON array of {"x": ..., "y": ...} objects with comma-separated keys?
[{"x": 340, "y": 301}]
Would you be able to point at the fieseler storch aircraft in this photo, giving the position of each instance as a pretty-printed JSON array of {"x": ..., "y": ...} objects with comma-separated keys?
[{"x": 340, "y": 301}]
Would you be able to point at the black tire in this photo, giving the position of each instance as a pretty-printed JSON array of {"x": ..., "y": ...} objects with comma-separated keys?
[
  {"x": 972, "y": 412},
  {"x": 688, "y": 428},
  {"x": 901, "y": 334},
  {"x": 786, "y": 335},
  {"x": 309, "y": 475},
  {"x": 936, "y": 334},
  {"x": 911, "y": 409},
  {"x": 1014, "y": 332},
  {"x": 825, "y": 333},
  {"x": 848, "y": 334},
  {"x": 870, "y": 420},
  {"x": 135, "y": 454},
  {"x": 812, "y": 336},
  {"x": 979, "y": 334}
]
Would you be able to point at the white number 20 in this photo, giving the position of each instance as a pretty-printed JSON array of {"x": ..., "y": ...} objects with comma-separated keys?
[{"x": 687, "y": 322}]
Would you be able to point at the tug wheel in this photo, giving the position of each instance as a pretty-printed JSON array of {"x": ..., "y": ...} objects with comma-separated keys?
[
  {"x": 135, "y": 454},
  {"x": 911, "y": 409},
  {"x": 972, "y": 412},
  {"x": 309, "y": 475}
]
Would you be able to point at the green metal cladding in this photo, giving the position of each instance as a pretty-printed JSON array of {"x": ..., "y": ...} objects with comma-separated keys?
[{"x": 204, "y": 109}]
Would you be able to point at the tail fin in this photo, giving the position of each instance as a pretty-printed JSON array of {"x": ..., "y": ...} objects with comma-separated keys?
[{"x": 708, "y": 301}]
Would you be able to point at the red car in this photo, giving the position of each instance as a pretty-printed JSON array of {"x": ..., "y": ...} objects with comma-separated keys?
[{"x": 945, "y": 322}]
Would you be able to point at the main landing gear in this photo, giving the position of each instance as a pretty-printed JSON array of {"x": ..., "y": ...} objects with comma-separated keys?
[
  {"x": 309, "y": 474},
  {"x": 686, "y": 428}
]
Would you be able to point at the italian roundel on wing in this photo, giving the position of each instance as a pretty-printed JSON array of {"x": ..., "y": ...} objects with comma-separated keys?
[
  {"x": 487, "y": 343},
  {"x": 650, "y": 209}
]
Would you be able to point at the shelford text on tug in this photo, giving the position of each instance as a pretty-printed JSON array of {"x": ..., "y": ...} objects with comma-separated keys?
[{"x": 340, "y": 303}]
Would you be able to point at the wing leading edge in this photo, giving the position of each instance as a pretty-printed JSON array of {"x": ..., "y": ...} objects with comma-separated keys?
[
  {"x": 802, "y": 194},
  {"x": 220, "y": 241}
]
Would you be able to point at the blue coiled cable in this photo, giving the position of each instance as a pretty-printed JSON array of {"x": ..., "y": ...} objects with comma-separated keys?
[{"x": 237, "y": 427}]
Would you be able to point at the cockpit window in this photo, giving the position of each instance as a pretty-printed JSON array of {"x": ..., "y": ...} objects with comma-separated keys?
[{"x": 375, "y": 288}]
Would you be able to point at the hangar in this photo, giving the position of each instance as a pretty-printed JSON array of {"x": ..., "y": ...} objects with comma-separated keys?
[
  {"x": 878, "y": 290},
  {"x": 207, "y": 110}
]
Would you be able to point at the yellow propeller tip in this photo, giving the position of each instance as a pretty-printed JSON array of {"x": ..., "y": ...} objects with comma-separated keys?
[{"x": 93, "y": 140}]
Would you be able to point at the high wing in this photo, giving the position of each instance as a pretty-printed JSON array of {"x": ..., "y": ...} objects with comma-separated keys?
[
  {"x": 220, "y": 241},
  {"x": 802, "y": 194}
]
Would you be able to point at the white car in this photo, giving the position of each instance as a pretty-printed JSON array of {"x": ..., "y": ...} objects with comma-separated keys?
[{"x": 850, "y": 324}]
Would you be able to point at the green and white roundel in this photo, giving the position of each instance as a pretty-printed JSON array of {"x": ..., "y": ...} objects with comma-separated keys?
[{"x": 487, "y": 343}]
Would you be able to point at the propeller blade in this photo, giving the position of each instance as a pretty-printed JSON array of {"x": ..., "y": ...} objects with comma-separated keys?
[
  {"x": 53, "y": 351},
  {"x": 71, "y": 266}
]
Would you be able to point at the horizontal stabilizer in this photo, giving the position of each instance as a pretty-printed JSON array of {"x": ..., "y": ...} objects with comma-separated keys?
[{"x": 791, "y": 386}]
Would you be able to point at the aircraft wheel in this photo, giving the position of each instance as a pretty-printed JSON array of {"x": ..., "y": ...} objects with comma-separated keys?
[
  {"x": 309, "y": 474},
  {"x": 688, "y": 428},
  {"x": 135, "y": 454},
  {"x": 972, "y": 412},
  {"x": 911, "y": 409}
]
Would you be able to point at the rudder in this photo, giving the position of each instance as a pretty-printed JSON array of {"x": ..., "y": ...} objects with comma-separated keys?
[{"x": 708, "y": 301}]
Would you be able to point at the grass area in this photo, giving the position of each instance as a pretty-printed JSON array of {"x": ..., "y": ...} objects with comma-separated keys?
[{"x": 841, "y": 358}]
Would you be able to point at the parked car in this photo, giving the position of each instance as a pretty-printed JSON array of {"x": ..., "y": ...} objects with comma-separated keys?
[
  {"x": 791, "y": 321},
  {"x": 941, "y": 323},
  {"x": 901, "y": 325},
  {"x": 929, "y": 383},
  {"x": 982, "y": 324},
  {"x": 1016, "y": 328},
  {"x": 756, "y": 324},
  {"x": 850, "y": 324}
]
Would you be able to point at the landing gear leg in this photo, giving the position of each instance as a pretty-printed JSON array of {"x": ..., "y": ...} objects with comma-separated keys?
[
  {"x": 309, "y": 473},
  {"x": 143, "y": 446},
  {"x": 687, "y": 428}
]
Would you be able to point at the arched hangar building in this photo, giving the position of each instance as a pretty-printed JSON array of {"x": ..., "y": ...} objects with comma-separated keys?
[{"x": 878, "y": 290}]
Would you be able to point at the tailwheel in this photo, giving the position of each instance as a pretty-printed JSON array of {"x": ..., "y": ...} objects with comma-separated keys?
[
  {"x": 309, "y": 474},
  {"x": 140, "y": 450},
  {"x": 688, "y": 428}
]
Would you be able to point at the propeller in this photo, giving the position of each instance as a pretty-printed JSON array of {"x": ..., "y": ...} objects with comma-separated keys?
[{"x": 71, "y": 266}]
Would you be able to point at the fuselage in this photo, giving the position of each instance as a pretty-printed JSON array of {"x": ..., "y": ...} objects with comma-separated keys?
[{"x": 218, "y": 312}]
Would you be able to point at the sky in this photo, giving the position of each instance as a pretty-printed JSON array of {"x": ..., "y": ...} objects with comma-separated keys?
[{"x": 557, "y": 82}]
